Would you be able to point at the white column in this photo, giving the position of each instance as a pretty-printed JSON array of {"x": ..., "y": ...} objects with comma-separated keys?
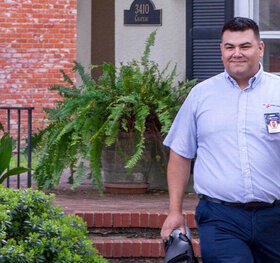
[{"x": 83, "y": 33}]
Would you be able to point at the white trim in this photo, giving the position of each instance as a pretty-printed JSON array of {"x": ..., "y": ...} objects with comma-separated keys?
[
  {"x": 241, "y": 8},
  {"x": 270, "y": 34},
  {"x": 252, "y": 8},
  {"x": 249, "y": 8}
]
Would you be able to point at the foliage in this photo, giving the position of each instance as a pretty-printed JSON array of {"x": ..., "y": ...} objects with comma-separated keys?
[
  {"x": 136, "y": 97},
  {"x": 23, "y": 159},
  {"x": 33, "y": 231},
  {"x": 6, "y": 150}
]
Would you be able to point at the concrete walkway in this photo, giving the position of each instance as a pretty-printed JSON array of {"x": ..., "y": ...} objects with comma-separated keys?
[{"x": 85, "y": 198}]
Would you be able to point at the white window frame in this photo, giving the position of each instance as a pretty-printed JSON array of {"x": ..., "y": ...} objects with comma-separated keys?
[{"x": 249, "y": 8}]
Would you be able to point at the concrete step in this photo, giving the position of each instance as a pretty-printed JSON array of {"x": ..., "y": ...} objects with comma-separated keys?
[{"x": 132, "y": 235}]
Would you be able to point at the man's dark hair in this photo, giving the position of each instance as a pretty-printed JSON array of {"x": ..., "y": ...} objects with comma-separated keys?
[{"x": 242, "y": 24}]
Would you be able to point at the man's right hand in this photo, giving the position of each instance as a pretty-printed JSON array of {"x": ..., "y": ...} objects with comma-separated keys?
[
  {"x": 172, "y": 222},
  {"x": 178, "y": 173}
]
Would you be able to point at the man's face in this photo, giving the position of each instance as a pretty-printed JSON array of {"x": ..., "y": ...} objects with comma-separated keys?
[{"x": 241, "y": 52}]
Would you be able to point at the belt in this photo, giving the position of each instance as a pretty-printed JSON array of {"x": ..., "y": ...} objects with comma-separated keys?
[{"x": 247, "y": 206}]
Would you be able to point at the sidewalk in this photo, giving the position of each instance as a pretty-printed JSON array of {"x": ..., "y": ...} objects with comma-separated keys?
[{"x": 85, "y": 198}]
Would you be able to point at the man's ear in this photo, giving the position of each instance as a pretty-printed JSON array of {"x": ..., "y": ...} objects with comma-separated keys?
[
  {"x": 261, "y": 48},
  {"x": 221, "y": 48}
]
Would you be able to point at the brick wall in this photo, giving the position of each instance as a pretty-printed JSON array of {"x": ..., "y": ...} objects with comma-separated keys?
[{"x": 37, "y": 39}]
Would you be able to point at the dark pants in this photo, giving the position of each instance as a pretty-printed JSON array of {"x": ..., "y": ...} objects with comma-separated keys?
[{"x": 235, "y": 235}]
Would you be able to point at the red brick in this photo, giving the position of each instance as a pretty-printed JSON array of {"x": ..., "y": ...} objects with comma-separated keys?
[
  {"x": 162, "y": 251},
  {"x": 89, "y": 219},
  {"x": 146, "y": 248},
  {"x": 154, "y": 220},
  {"x": 145, "y": 219},
  {"x": 136, "y": 248},
  {"x": 117, "y": 220},
  {"x": 108, "y": 248},
  {"x": 127, "y": 251},
  {"x": 190, "y": 219},
  {"x": 28, "y": 42},
  {"x": 135, "y": 219},
  {"x": 108, "y": 222},
  {"x": 125, "y": 219},
  {"x": 162, "y": 218},
  {"x": 117, "y": 249},
  {"x": 155, "y": 248},
  {"x": 80, "y": 214},
  {"x": 99, "y": 246},
  {"x": 98, "y": 219}
]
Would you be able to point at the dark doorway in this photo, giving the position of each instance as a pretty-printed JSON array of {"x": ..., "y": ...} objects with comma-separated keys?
[{"x": 103, "y": 34}]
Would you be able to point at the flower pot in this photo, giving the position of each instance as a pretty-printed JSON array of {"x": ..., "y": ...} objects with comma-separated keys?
[{"x": 117, "y": 178}]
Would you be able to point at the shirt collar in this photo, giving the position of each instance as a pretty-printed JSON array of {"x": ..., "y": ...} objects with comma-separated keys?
[{"x": 252, "y": 81}]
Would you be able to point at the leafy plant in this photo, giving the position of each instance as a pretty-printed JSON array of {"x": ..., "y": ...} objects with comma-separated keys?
[
  {"x": 135, "y": 98},
  {"x": 33, "y": 231},
  {"x": 6, "y": 150}
]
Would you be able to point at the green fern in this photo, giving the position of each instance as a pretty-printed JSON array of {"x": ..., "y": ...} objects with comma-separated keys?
[
  {"x": 136, "y": 98},
  {"x": 81, "y": 171}
]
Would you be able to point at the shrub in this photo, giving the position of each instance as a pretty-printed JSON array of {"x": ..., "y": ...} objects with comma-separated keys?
[{"x": 32, "y": 230}]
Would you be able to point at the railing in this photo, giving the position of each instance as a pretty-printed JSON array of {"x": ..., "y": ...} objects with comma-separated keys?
[{"x": 19, "y": 137}]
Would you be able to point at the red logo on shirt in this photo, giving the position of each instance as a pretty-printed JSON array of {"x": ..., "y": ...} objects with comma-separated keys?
[{"x": 267, "y": 105}]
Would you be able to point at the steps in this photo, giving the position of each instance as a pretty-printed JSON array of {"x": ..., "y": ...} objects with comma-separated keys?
[{"x": 132, "y": 235}]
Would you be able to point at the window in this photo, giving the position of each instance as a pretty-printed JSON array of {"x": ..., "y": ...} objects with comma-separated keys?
[{"x": 266, "y": 14}]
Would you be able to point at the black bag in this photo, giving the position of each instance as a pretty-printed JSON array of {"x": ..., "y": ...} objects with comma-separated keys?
[{"x": 178, "y": 249}]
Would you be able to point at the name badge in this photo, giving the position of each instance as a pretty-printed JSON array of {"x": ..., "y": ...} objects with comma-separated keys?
[{"x": 272, "y": 121}]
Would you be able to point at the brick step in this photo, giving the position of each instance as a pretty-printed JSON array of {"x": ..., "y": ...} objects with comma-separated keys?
[
  {"x": 135, "y": 248},
  {"x": 131, "y": 219},
  {"x": 123, "y": 234}
]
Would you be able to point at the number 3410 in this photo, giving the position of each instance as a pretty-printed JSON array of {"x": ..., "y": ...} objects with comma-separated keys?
[{"x": 142, "y": 9}]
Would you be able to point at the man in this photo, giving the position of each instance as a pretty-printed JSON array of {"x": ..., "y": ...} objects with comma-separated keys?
[{"x": 231, "y": 121}]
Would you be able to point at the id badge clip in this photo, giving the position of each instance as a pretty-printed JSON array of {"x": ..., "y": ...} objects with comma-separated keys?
[{"x": 272, "y": 121}]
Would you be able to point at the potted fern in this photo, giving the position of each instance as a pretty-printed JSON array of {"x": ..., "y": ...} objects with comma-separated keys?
[{"x": 127, "y": 111}]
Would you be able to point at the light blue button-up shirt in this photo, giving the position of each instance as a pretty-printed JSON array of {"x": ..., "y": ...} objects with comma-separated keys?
[{"x": 237, "y": 159}]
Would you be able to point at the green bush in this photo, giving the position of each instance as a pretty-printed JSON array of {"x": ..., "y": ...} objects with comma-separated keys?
[{"x": 32, "y": 230}]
